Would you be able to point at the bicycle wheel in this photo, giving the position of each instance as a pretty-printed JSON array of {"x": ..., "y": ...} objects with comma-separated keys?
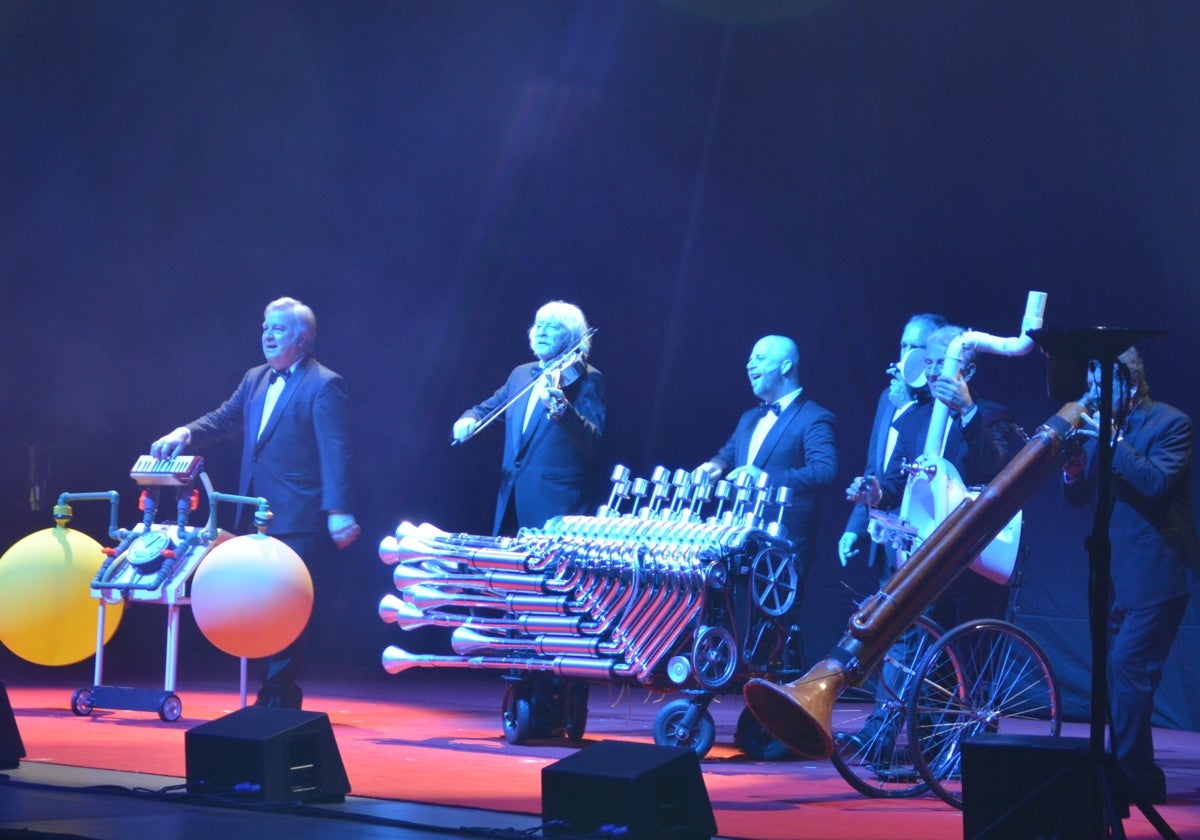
[
  {"x": 982, "y": 676},
  {"x": 871, "y": 744}
]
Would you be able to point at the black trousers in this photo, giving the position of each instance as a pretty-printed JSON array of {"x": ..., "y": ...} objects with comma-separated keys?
[{"x": 280, "y": 672}]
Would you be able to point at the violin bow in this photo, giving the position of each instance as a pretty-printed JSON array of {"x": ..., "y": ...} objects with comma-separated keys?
[{"x": 553, "y": 367}]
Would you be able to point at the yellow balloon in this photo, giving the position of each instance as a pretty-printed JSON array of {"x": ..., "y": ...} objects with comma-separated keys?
[
  {"x": 47, "y": 612},
  {"x": 252, "y": 596}
]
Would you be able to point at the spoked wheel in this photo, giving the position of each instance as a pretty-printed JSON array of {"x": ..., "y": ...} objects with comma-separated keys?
[
  {"x": 516, "y": 713},
  {"x": 755, "y": 741},
  {"x": 872, "y": 749},
  {"x": 673, "y": 727},
  {"x": 982, "y": 676},
  {"x": 774, "y": 581},
  {"x": 714, "y": 656}
]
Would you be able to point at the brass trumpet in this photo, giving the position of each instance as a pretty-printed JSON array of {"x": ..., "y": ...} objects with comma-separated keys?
[{"x": 800, "y": 713}]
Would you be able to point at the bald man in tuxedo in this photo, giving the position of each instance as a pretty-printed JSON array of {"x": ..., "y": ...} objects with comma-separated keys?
[{"x": 789, "y": 437}]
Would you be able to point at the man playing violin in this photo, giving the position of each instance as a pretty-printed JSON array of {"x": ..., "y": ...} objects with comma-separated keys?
[{"x": 554, "y": 430}]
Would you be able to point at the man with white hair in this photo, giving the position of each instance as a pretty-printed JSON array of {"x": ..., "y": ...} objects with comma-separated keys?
[
  {"x": 551, "y": 467},
  {"x": 553, "y": 433},
  {"x": 293, "y": 415}
]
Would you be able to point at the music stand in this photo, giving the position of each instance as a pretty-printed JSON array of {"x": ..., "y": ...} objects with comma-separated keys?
[{"x": 1069, "y": 352}]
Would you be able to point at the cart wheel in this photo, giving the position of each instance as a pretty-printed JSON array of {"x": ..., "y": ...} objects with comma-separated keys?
[
  {"x": 774, "y": 581},
  {"x": 576, "y": 710},
  {"x": 516, "y": 714},
  {"x": 714, "y": 657},
  {"x": 670, "y": 731},
  {"x": 81, "y": 702},
  {"x": 170, "y": 708},
  {"x": 756, "y": 742}
]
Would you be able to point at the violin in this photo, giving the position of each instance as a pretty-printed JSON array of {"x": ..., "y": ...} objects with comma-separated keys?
[{"x": 560, "y": 372}]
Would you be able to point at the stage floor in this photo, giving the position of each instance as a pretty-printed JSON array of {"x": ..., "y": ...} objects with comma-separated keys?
[{"x": 426, "y": 757}]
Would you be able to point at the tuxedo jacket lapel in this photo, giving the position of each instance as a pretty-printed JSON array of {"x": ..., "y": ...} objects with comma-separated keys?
[
  {"x": 535, "y": 422},
  {"x": 883, "y": 428},
  {"x": 773, "y": 437},
  {"x": 514, "y": 421},
  {"x": 290, "y": 386},
  {"x": 258, "y": 401}
]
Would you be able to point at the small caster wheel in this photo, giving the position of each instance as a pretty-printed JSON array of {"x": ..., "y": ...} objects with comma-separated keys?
[
  {"x": 517, "y": 714},
  {"x": 670, "y": 729},
  {"x": 170, "y": 708},
  {"x": 81, "y": 702}
]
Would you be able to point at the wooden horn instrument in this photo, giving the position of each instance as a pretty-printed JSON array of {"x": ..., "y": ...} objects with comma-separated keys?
[{"x": 800, "y": 713}]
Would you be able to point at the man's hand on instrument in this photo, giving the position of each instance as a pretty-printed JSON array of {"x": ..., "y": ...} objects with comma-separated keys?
[
  {"x": 953, "y": 392},
  {"x": 554, "y": 401},
  {"x": 749, "y": 469},
  {"x": 846, "y": 548},
  {"x": 170, "y": 445},
  {"x": 343, "y": 529},
  {"x": 1091, "y": 425},
  {"x": 865, "y": 490},
  {"x": 463, "y": 427},
  {"x": 1091, "y": 428}
]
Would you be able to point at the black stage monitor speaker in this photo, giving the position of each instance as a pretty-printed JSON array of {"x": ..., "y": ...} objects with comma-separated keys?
[
  {"x": 1022, "y": 787},
  {"x": 268, "y": 754},
  {"x": 645, "y": 792},
  {"x": 11, "y": 748}
]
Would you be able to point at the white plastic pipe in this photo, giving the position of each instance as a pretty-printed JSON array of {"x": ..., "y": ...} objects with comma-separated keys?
[{"x": 1018, "y": 345}]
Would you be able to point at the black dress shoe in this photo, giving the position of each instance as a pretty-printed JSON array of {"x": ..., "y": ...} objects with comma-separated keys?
[
  {"x": 280, "y": 697},
  {"x": 896, "y": 775},
  {"x": 870, "y": 739}
]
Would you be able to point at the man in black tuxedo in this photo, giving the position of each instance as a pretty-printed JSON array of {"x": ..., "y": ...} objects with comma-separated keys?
[
  {"x": 1155, "y": 554},
  {"x": 979, "y": 438},
  {"x": 553, "y": 434},
  {"x": 895, "y": 401},
  {"x": 787, "y": 436},
  {"x": 552, "y": 466},
  {"x": 294, "y": 418}
]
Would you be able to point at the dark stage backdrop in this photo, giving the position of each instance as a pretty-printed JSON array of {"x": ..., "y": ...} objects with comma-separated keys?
[{"x": 695, "y": 174}]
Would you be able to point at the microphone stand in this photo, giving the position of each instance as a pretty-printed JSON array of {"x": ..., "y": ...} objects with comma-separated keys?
[{"x": 1070, "y": 350}]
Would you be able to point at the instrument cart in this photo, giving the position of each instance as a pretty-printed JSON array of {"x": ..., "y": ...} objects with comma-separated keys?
[{"x": 153, "y": 563}]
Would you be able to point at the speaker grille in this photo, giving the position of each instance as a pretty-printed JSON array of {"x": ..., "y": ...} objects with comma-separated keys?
[
  {"x": 268, "y": 754},
  {"x": 641, "y": 790}
]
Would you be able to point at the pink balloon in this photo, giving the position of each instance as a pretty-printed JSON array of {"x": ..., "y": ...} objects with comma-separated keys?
[{"x": 252, "y": 596}]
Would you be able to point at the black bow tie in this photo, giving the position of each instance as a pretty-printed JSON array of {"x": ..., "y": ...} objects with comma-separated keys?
[
  {"x": 280, "y": 374},
  {"x": 764, "y": 407}
]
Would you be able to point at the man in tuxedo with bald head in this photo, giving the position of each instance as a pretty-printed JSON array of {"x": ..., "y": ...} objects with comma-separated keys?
[{"x": 789, "y": 437}]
